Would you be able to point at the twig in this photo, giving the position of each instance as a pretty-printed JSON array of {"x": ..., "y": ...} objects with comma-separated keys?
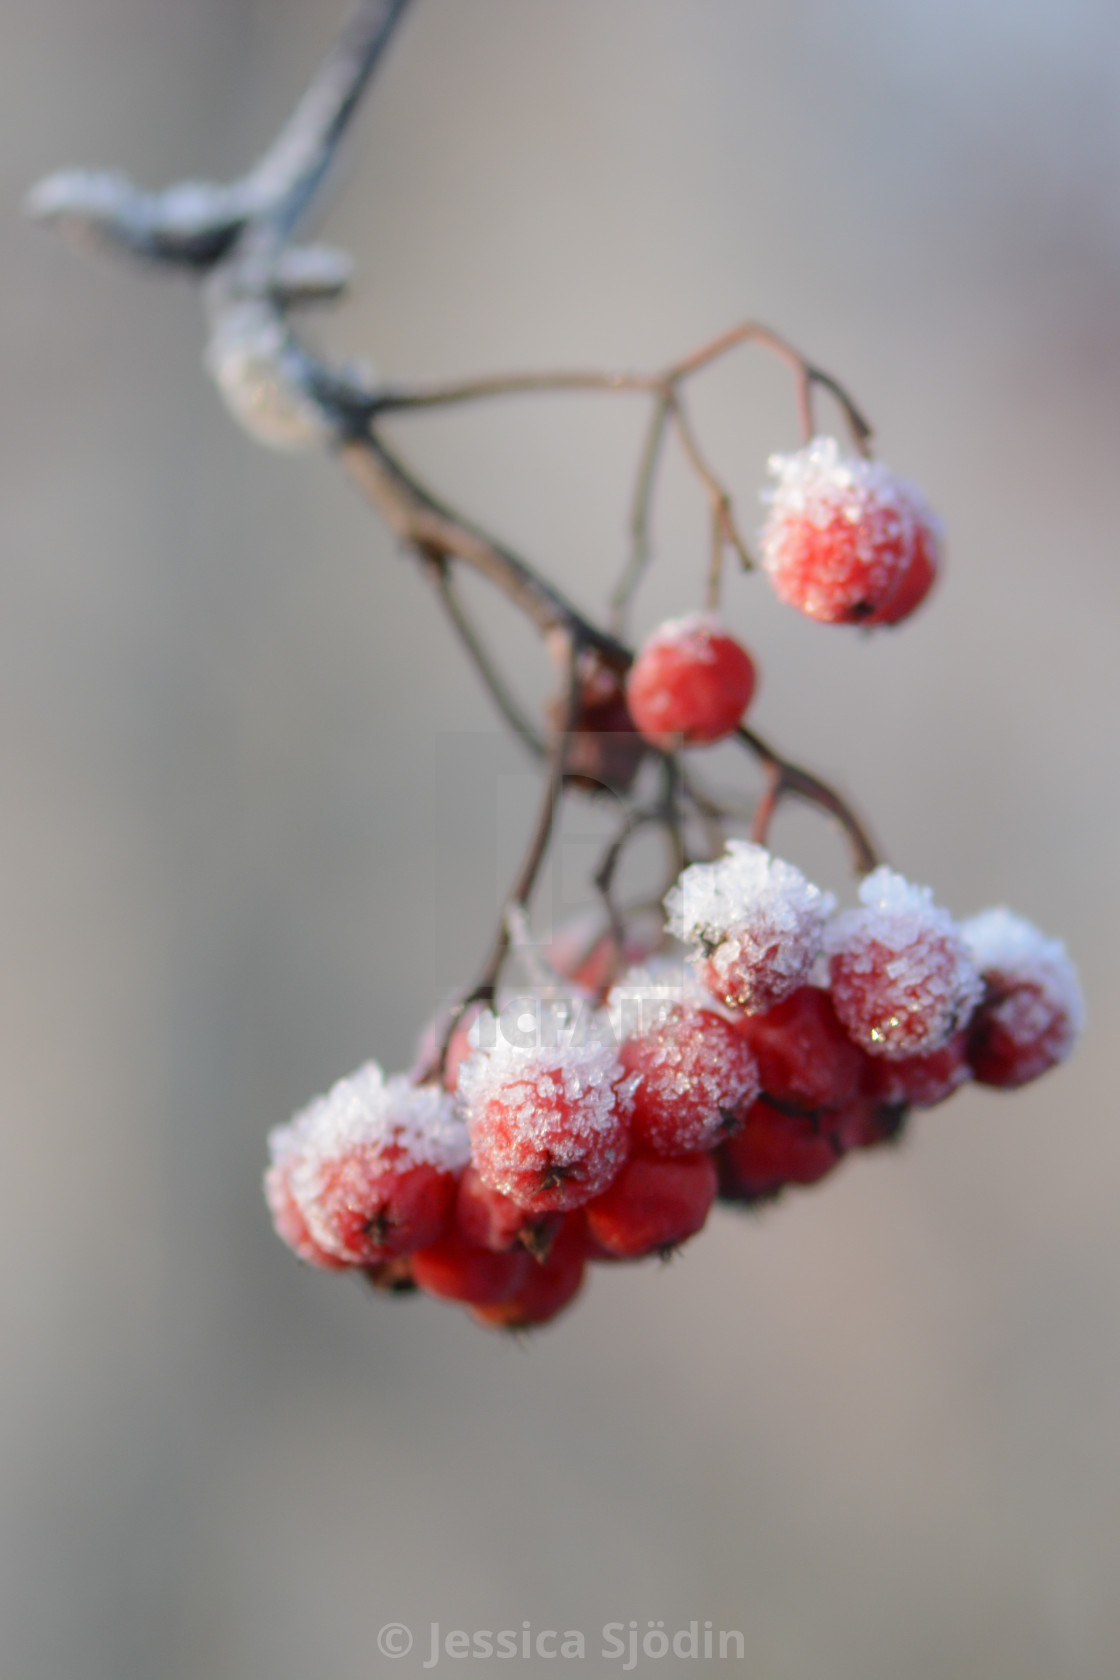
[
  {"x": 784, "y": 777},
  {"x": 488, "y": 672}
]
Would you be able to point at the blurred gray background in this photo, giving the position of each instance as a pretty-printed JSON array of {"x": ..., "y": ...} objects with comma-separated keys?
[{"x": 877, "y": 1430}]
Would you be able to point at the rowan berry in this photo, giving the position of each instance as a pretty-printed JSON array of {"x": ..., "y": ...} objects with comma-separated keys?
[
  {"x": 695, "y": 1075},
  {"x": 919, "y": 1081},
  {"x": 653, "y": 1205},
  {"x": 370, "y": 1168},
  {"x": 845, "y": 542},
  {"x": 756, "y": 924},
  {"x": 547, "y": 1286},
  {"x": 458, "y": 1270},
  {"x": 490, "y": 1220},
  {"x": 805, "y": 1058},
  {"x": 690, "y": 684},
  {"x": 1032, "y": 1009},
  {"x": 773, "y": 1149},
  {"x": 902, "y": 978},
  {"x": 549, "y": 1122}
]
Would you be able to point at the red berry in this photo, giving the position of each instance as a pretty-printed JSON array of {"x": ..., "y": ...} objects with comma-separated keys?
[
  {"x": 756, "y": 924},
  {"x": 370, "y": 1167},
  {"x": 805, "y": 1058},
  {"x": 288, "y": 1221},
  {"x": 690, "y": 684},
  {"x": 549, "y": 1126},
  {"x": 1032, "y": 1011},
  {"x": 696, "y": 1074},
  {"x": 772, "y": 1150},
  {"x": 846, "y": 542},
  {"x": 653, "y": 1205},
  {"x": 604, "y": 749},
  {"x": 490, "y": 1220},
  {"x": 919, "y": 1081},
  {"x": 457, "y": 1270},
  {"x": 864, "y": 1123},
  {"x": 548, "y": 1286},
  {"x": 902, "y": 978}
]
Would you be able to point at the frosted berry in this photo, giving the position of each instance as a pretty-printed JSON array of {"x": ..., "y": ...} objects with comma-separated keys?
[
  {"x": 370, "y": 1168},
  {"x": 1032, "y": 1011},
  {"x": 805, "y": 1058},
  {"x": 287, "y": 1220},
  {"x": 845, "y": 542},
  {"x": 547, "y": 1287},
  {"x": 653, "y": 1205},
  {"x": 695, "y": 1074},
  {"x": 690, "y": 684},
  {"x": 549, "y": 1123},
  {"x": 773, "y": 1149},
  {"x": 902, "y": 977},
  {"x": 755, "y": 923}
]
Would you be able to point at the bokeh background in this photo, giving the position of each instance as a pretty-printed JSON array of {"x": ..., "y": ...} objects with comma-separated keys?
[{"x": 255, "y": 822}]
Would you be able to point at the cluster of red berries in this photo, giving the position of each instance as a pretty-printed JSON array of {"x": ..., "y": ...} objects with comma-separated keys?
[{"x": 601, "y": 1125}]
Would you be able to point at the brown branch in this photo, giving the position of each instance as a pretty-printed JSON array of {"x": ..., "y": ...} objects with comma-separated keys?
[
  {"x": 785, "y": 777},
  {"x": 488, "y": 672}
]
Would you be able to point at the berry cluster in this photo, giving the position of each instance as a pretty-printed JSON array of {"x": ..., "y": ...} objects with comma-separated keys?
[{"x": 600, "y": 1126}]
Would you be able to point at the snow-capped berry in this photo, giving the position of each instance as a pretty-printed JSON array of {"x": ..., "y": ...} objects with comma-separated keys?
[
  {"x": 287, "y": 1220},
  {"x": 1032, "y": 1009},
  {"x": 653, "y": 1205},
  {"x": 547, "y": 1288},
  {"x": 458, "y": 1270},
  {"x": 902, "y": 977},
  {"x": 757, "y": 922},
  {"x": 919, "y": 1081},
  {"x": 696, "y": 1073},
  {"x": 805, "y": 1058},
  {"x": 773, "y": 1149},
  {"x": 549, "y": 1122},
  {"x": 371, "y": 1166},
  {"x": 845, "y": 542},
  {"x": 690, "y": 684}
]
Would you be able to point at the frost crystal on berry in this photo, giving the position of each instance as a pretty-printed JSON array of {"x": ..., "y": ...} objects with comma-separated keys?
[
  {"x": 549, "y": 1119},
  {"x": 902, "y": 977},
  {"x": 757, "y": 923},
  {"x": 845, "y": 541},
  {"x": 370, "y": 1167},
  {"x": 1032, "y": 1010}
]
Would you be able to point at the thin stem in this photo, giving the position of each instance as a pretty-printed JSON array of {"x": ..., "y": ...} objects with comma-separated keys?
[
  {"x": 520, "y": 893},
  {"x": 725, "y": 531},
  {"x": 640, "y": 512},
  {"x": 480, "y": 657},
  {"x": 784, "y": 777}
]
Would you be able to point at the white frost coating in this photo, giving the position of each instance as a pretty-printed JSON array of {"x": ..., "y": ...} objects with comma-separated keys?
[
  {"x": 376, "y": 1115},
  {"x": 245, "y": 358},
  {"x": 745, "y": 886},
  {"x": 695, "y": 631},
  {"x": 1008, "y": 945},
  {"x": 924, "y": 975}
]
